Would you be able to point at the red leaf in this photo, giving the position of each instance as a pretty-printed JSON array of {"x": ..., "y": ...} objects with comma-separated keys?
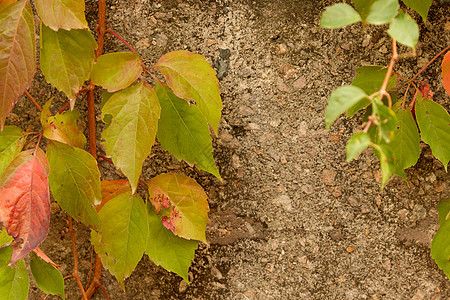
[
  {"x": 446, "y": 72},
  {"x": 17, "y": 54},
  {"x": 25, "y": 201},
  {"x": 112, "y": 189}
]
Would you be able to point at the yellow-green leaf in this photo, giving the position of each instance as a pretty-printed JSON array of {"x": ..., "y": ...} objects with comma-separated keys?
[
  {"x": 47, "y": 277},
  {"x": 122, "y": 239},
  {"x": 339, "y": 15},
  {"x": 166, "y": 249},
  {"x": 405, "y": 30},
  {"x": 66, "y": 58},
  {"x": 183, "y": 131},
  {"x": 17, "y": 54},
  {"x": 62, "y": 127},
  {"x": 75, "y": 182},
  {"x": 341, "y": 99},
  {"x": 134, "y": 114},
  {"x": 62, "y": 14},
  {"x": 12, "y": 140},
  {"x": 382, "y": 12},
  {"x": 116, "y": 71},
  {"x": 14, "y": 282},
  {"x": 434, "y": 125},
  {"x": 405, "y": 143},
  {"x": 191, "y": 77},
  {"x": 188, "y": 205}
]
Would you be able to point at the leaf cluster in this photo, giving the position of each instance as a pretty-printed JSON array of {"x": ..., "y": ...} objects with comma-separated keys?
[
  {"x": 392, "y": 127},
  {"x": 169, "y": 220}
]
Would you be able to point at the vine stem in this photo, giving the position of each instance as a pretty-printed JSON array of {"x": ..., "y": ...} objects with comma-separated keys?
[
  {"x": 426, "y": 66},
  {"x": 39, "y": 108},
  {"x": 92, "y": 135},
  {"x": 122, "y": 40},
  {"x": 75, "y": 261}
]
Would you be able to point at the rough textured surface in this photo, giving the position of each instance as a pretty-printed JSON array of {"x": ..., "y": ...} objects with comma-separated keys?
[{"x": 291, "y": 220}]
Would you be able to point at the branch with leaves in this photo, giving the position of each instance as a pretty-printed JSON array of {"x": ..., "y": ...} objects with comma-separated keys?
[
  {"x": 165, "y": 224},
  {"x": 390, "y": 127}
]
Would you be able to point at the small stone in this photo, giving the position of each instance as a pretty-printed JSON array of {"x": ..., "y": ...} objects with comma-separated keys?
[
  {"x": 268, "y": 60},
  {"x": 377, "y": 175},
  {"x": 402, "y": 213},
  {"x": 335, "y": 138},
  {"x": 352, "y": 201},
  {"x": 302, "y": 260},
  {"x": 245, "y": 110},
  {"x": 54, "y": 207},
  {"x": 143, "y": 43},
  {"x": 299, "y": 83},
  {"x": 447, "y": 26},
  {"x": 329, "y": 176},
  {"x": 283, "y": 201},
  {"x": 218, "y": 285},
  {"x": 210, "y": 42},
  {"x": 350, "y": 249},
  {"x": 161, "y": 39},
  {"x": 307, "y": 189},
  {"x": 283, "y": 159},
  {"x": 383, "y": 49},
  {"x": 419, "y": 212},
  {"x": 386, "y": 265},
  {"x": 235, "y": 161},
  {"x": 281, "y": 49},
  {"x": 225, "y": 136},
  {"x": 183, "y": 286},
  {"x": 378, "y": 200},
  {"x": 345, "y": 46},
  {"x": 216, "y": 273},
  {"x": 337, "y": 192},
  {"x": 303, "y": 128},
  {"x": 252, "y": 126},
  {"x": 288, "y": 71},
  {"x": 275, "y": 123},
  {"x": 282, "y": 87}
]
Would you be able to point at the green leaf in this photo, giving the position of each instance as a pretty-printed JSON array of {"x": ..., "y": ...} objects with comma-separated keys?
[
  {"x": 183, "y": 131},
  {"x": 47, "y": 277},
  {"x": 17, "y": 54},
  {"x": 123, "y": 236},
  {"x": 440, "y": 248},
  {"x": 129, "y": 137},
  {"x": 444, "y": 211},
  {"x": 356, "y": 144},
  {"x": 420, "y": 6},
  {"x": 339, "y": 15},
  {"x": 5, "y": 238},
  {"x": 62, "y": 14},
  {"x": 75, "y": 182},
  {"x": 66, "y": 58},
  {"x": 434, "y": 125},
  {"x": 14, "y": 282},
  {"x": 363, "y": 7},
  {"x": 382, "y": 12},
  {"x": 370, "y": 79},
  {"x": 386, "y": 157},
  {"x": 166, "y": 249},
  {"x": 387, "y": 121},
  {"x": 405, "y": 30},
  {"x": 191, "y": 77},
  {"x": 116, "y": 71},
  {"x": 405, "y": 143},
  {"x": 5, "y": 252},
  {"x": 12, "y": 140},
  {"x": 189, "y": 206},
  {"x": 62, "y": 127},
  {"x": 340, "y": 100}
]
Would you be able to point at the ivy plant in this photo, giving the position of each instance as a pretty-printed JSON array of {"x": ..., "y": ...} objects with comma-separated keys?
[
  {"x": 394, "y": 123},
  {"x": 163, "y": 217}
]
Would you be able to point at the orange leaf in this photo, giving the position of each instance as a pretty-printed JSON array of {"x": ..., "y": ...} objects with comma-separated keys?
[
  {"x": 112, "y": 189},
  {"x": 446, "y": 72},
  {"x": 25, "y": 201}
]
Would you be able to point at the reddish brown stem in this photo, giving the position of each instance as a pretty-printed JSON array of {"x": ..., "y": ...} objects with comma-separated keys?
[
  {"x": 107, "y": 159},
  {"x": 104, "y": 291},
  {"x": 101, "y": 27},
  {"x": 122, "y": 40},
  {"x": 39, "y": 108},
  {"x": 426, "y": 66},
  {"x": 91, "y": 121},
  {"x": 92, "y": 136},
  {"x": 75, "y": 261}
]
